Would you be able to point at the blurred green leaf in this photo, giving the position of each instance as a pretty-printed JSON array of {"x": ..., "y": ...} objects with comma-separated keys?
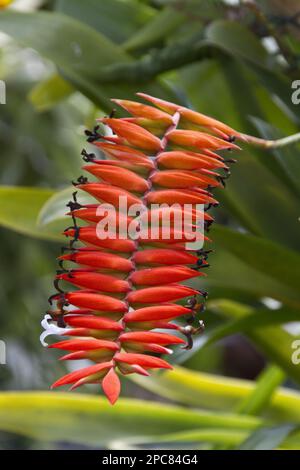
[
  {"x": 217, "y": 392},
  {"x": 242, "y": 280},
  {"x": 92, "y": 420},
  {"x": 49, "y": 92},
  {"x": 20, "y": 208},
  {"x": 279, "y": 86},
  {"x": 260, "y": 318},
  {"x": 70, "y": 44},
  {"x": 267, "y": 257},
  {"x": 77, "y": 50},
  {"x": 267, "y": 438},
  {"x": 55, "y": 208},
  {"x": 118, "y": 20},
  {"x": 163, "y": 24},
  {"x": 238, "y": 41},
  {"x": 266, "y": 384},
  {"x": 288, "y": 157},
  {"x": 221, "y": 437},
  {"x": 274, "y": 341},
  {"x": 234, "y": 38}
]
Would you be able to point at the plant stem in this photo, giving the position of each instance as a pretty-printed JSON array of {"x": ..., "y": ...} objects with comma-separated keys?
[{"x": 272, "y": 144}]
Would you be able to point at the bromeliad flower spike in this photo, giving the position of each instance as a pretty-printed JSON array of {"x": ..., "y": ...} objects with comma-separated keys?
[{"x": 129, "y": 291}]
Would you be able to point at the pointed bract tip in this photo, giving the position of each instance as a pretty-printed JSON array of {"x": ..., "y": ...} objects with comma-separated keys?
[{"x": 111, "y": 386}]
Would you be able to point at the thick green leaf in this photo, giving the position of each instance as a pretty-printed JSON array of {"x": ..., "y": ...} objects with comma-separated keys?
[
  {"x": 217, "y": 392},
  {"x": 238, "y": 41},
  {"x": 242, "y": 280},
  {"x": 19, "y": 210},
  {"x": 267, "y": 438},
  {"x": 78, "y": 51},
  {"x": 258, "y": 319},
  {"x": 92, "y": 420},
  {"x": 234, "y": 38},
  {"x": 274, "y": 341},
  {"x": 267, "y": 257},
  {"x": 55, "y": 209},
  {"x": 71, "y": 45},
  {"x": 278, "y": 85},
  {"x": 266, "y": 384},
  {"x": 211, "y": 436},
  {"x": 280, "y": 436},
  {"x": 49, "y": 92},
  {"x": 288, "y": 157},
  {"x": 163, "y": 24},
  {"x": 116, "y": 19}
]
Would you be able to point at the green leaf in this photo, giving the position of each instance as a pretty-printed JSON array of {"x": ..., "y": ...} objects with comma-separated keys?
[
  {"x": 279, "y": 85},
  {"x": 234, "y": 38},
  {"x": 267, "y": 438},
  {"x": 253, "y": 266},
  {"x": 78, "y": 51},
  {"x": 19, "y": 210},
  {"x": 49, "y": 92},
  {"x": 217, "y": 392},
  {"x": 288, "y": 157},
  {"x": 54, "y": 210},
  {"x": 163, "y": 24},
  {"x": 274, "y": 341},
  {"x": 92, "y": 420},
  {"x": 267, "y": 257},
  {"x": 239, "y": 42},
  {"x": 116, "y": 19},
  {"x": 258, "y": 319},
  {"x": 71, "y": 45},
  {"x": 266, "y": 384},
  {"x": 221, "y": 437}
]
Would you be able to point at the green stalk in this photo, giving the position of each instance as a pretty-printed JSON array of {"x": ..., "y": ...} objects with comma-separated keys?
[
  {"x": 272, "y": 144},
  {"x": 260, "y": 397}
]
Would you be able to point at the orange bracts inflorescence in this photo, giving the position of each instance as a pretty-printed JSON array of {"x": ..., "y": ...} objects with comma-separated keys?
[{"x": 127, "y": 288}]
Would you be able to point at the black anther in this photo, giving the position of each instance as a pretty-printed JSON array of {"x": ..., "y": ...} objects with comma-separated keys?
[
  {"x": 204, "y": 253},
  {"x": 203, "y": 293},
  {"x": 87, "y": 157},
  {"x": 93, "y": 135},
  {"x": 80, "y": 180}
]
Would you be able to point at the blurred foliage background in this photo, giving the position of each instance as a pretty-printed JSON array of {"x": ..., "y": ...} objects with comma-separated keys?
[{"x": 61, "y": 61}]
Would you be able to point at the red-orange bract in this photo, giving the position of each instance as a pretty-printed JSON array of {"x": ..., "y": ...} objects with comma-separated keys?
[{"x": 163, "y": 153}]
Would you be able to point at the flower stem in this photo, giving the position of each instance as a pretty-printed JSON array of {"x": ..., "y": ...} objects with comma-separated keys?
[{"x": 272, "y": 144}]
